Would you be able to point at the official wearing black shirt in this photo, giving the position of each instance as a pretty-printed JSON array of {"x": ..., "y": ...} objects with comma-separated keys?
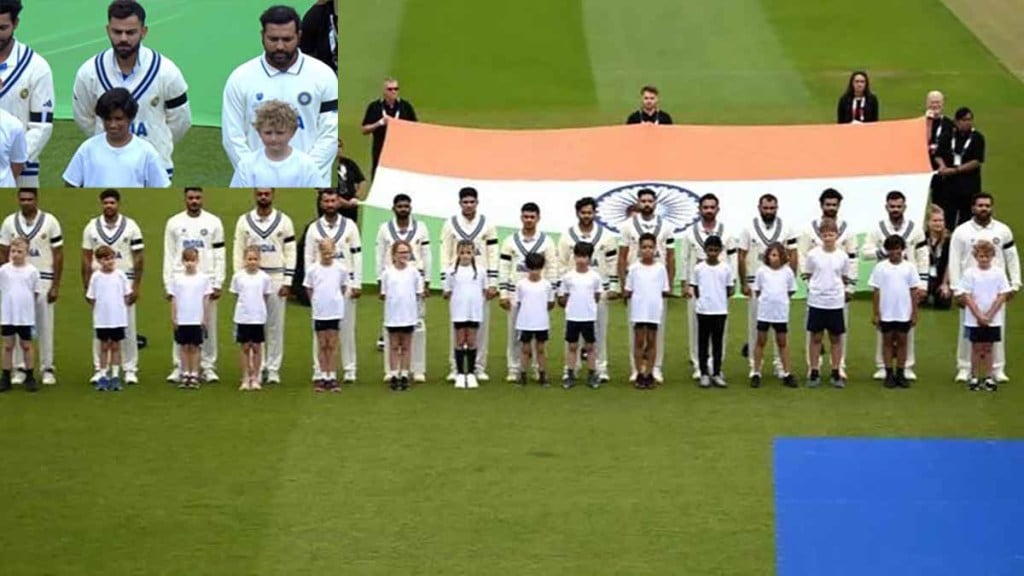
[
  {"x": 858, "y": 103},
  {"x": 960, "y": 157},
  {"x": 649, "y": 113},
  {"x": 937, "y": 237},
  {"x": 379, "y": 112},
  {"x": 320, "y": 32},
  {"x": 350, "y": 180}
]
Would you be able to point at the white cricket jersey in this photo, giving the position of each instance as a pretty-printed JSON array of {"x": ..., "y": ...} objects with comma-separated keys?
[
  {"x": 606, "y": 253},
  {"x": 205, "y": 233},
  {"x": 916, "y": 251},
  {"x": 484, "y": 237},
  {"x": 466, "y": 287},
  {"x": 108, "y": 292},
  {"x": 26, "y": 91},
  {"x": 692, "y": 245},
  {"x": 967, "y": 234},
  {"x": 581, "y": 290},
  {"x": 415, "y": 233},
  {"x": 43, "y": 235},
  {"x": 533, "y": 298},
  {"x": 155, "y": 83},
  {"x": 274, "y": 234},
  {"x": 97, "y": 164},
  {"x": 310, "y": 86},
  {"x": 298, "y": 170},
  {"x": 755, "y": 239},
  {"x": 189, "y": 292},
  {"x": 18, "y": 288},
  {"x": 401, "y": 290},
  {"x": 123, "y": 235},
  {"x": 252, "y": 291},
  {"x": 647, "y": 284},
  {"x": 632, "y": 229},
  {"x": 13, "y": 147},
  {"x": 348, "y": 245},
  {"x": 846, "y": 242},
  {"x": 512, "y": 260}
]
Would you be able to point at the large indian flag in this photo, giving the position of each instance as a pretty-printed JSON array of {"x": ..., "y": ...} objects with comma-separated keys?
[{"x": 554, "y": 168}]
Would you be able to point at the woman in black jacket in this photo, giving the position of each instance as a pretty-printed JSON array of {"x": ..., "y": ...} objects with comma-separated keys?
[
  {"x": 940, "y": 294},
  {"x": 858, "y": 104}
]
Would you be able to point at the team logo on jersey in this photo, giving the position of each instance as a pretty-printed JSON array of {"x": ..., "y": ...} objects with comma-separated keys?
[
  {"x": 996, "y": 241},
  {"x": 677, "y": 206},
  {"x": 305, "y": 98},
  {"x": 48, "y": 104},
  {"x": 155, "y": 101},
  {"x": 203, "y": 232},
  {"x": 23, "y": 93},
  {"x": 259, "y": 96}
]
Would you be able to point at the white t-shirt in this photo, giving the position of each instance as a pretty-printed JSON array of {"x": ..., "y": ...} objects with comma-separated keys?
[
  {"x": 774, "y": 289},
  {"x": 826, "y": 288},
  {"x": 252, "y": 291},
  {"x": 532, "y": 298},
  {"x": 401, "y": 290},
  {"x": 648, "y": 283},
  {"x": 13, "y": 147},
  {"x": 189, "y": 292},
  {"x": 984, "y": 286},
  {"x": 712, "y": 283},
  {"x": 327, "y": 282},
  {"x": 581, "y": 289},
  {"x": 298, "y": 170},
  {"x": 18, "y": 287},
  {"x": 466, "y": 303},
  {"x": 97, "y": 164},
  {"x": 894, "y": 283},
  {"x": 108, "y": 291}
]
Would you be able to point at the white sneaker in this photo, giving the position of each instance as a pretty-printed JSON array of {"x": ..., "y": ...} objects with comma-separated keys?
[
  {"x": 255, "y": 385},
  {"x": 1000, "y": 376},
  {"x": 131, "y": 377},
  {"x": 95, "y": 377},
  {"x": 210, "y": 375},
  {"x": 273, "y": 377},
  {"x": 471, "y": 381},
  {"x": 879, "y": 374},
  {"x": 482, "y": 376},
  {"x": 604, "y": 378},
  {"x": 461, "y": 380},
  {"x": 174, "y": 376},
  {"x": 244, "y": 385},
  {"x": 349, "y": 376},
  {"x": 18, "y": 377},
  {"x": 842, "y": 373},
  {"x": 632, "y": 377},
  {"x": 419, "y": 378},
  {"x": 49, "y": 378},
  {"x": 511, "y": 377},
  {"x": 778, "y": 371},
  {"x": 658, "y": 376},
  {"x": 451, "y": 376},
  {"x": 696, "y": 374},
  {"x": 909, "y": 374},
  {"x": 961, "y": 375}
]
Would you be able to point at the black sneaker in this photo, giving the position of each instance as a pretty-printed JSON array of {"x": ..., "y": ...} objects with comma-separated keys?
[
  {"x": 973, "y": 385},
  {"x": 521, "y": 381},
  {"x": 988, "y": 384},
  {"x": 890, "y": 381},
  {"x": 902, "y": 382},
  {"x": 30, "y": 383},
  {"x": 568, "y": 380},
  {"x": 393, "y": 383},
  {"x": 403, "y": 383},
  {"x": 755, "y": 381},
  {"x": 594, "y": 380},
  {"x": 790, "y": 381},
  {"x": 543, "y": 379}
]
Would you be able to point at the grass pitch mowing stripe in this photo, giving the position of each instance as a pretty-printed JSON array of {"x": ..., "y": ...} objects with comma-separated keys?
[
  {"x": 739, "y": 72},
  {"x": 997, "y": 24}
]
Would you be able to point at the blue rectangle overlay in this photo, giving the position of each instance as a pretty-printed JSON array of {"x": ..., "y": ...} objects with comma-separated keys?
[{"x": 902, "y": 507}]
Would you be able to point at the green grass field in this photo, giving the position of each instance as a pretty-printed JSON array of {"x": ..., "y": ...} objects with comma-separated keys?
[{"x": 498, "y": 481}]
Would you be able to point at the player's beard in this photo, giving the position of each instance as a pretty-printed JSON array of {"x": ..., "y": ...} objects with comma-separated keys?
[
  {"x": 125, "y": 52},
  {"x": 5, "y": 43},
  {"x": 281, "y": 57}
]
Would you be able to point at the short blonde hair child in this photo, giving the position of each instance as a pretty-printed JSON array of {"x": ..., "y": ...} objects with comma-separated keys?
[
  {"x": 276, "y": 114},
  {"x": 984, "y": 248}
]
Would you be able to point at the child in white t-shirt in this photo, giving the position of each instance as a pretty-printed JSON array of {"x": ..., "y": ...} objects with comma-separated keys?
[
  {"x": 827, "y": 271},
  {"x": 535, "y": 297},
  {"x": 774, "y": 285},
  {"x": 711, "y": 287},
  {"x": 464, "y": 288},
  {"x": 645, "y": 292},
  {"x": 326, "y": 282},
  {"x": 190, "y": 296},
  {"x": 277, "y": 164},
  {"x": 108, "y": 293},
  {"x": 894, "y": 308},
  {"x": 252, "y": 287},
  {"x": 401, "y": 288},
  {"x": 983, "y": 290},
  {"x": 19, "y": 282},
  {"x": 579, "y": 293}
]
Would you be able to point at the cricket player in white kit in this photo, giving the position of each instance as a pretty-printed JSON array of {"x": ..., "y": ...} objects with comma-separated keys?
[
  {"x": 46, "y": 253},
  {"x": 829, "y": 201},
  {"x": 982, "y": 226},
  {"x": 349, "y": 252},
  {"x": 274, "y": 233},
  {"x": 916, "y": 252},
  {"x": 693, "y": 253},
  {"x": 753, "y": 242},
  {"x": 154, "y": 82},
  {"x": 199, "y": 229},
  {"x": 124, "y": 237},
  {"x": 512, "y": 268},
  {"x": 405, "y": 227},
  {"x": 604, "y": 262},
  {"x": 645, "y": 221},
  {"x": 26, "y": 90},
  {"x": 474, "y": 227},
  {"x": 282, "y": 73}
]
